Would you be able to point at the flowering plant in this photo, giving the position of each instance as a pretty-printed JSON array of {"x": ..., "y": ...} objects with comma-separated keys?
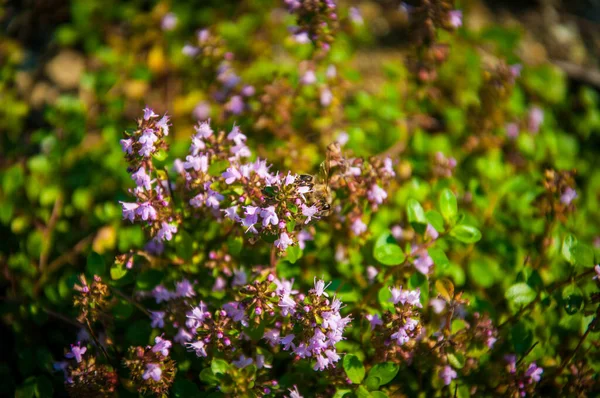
[{"x": 232, "y": 205}]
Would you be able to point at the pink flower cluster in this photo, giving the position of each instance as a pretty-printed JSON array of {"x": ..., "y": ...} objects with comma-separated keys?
[
  {"x": 316, "y": 324},
  {"x": 152, "y": 199}
]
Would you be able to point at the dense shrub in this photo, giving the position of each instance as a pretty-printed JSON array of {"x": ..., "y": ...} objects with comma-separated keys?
[{"x": 265, "y": 198}]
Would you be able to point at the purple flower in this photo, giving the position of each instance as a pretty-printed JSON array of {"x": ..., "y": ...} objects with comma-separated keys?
[
  {"x": 597, "y": 269},
  {"x": 455, "y": 18},
  {"x": 153, "y": 371},
  {"x": 358, "y": 227},
  {"x": 287, "y": 305},
  {"x": 183, "y": 336},
  {"x": 142, "y": 179},
  {"x": 158, "y": 319},
  {"x": 284, "y": 241},
  {"x": 567, "y": 197},
  {"x": 147, "y": 139},
  {"x": 236, "y": 135},
  {"x": 320, "y": 287},
  {"x": 342, "y": 138},
  {"x": 190, "y": 51},
  {"x": 423, "y": 262},
  {"x": 213, "y": 198},
  {"x": 309, "y": 77},
  {"x": 231, "y": 175},
  {"x": 294, "y": 393},
  {"x": 326, "y": 97},
  {"x": 129, "y": 210},
  {"x": 302, "y": 38},
  {"x": 203, "y": 36},
  {"x": 169, "y": 22},
  {"x": 376, "y": 194},
  {"x": 149, "y": 113},
  {"x": 515, "y": 70},
  {"x": 512, "y": 130},
  {"x": 235, "y": 312},
  {"x": 235, "y": 105},
  {"x": 288, "y": 341},
  {"x": 355, "y": 16},
  {"x": 269, "y": 216},
  {"x": 410, "y": 297},
  {"x": 534, "y": 372},
  {"x": 401, "y": 336},
  {"x": 302, "y": 237},
  {"x": 447, "y": 374},
  {"x": 374, "y": 320},
  {"x": 166, "y": 231},
  {"x": 248, "y": 91},
  {"x": 146, "y": 212},
  {"x": 199, "y": 313},
  {"x": 219, "y": 285},
  {"x": 322, "y": 363},
  {"x": 161, "y": 294},
  {"x": 272, "y": 336},
  {"x": 388, "y": 167},
  {"x": 511, "y": 359},
  {"x": 127, "y": 145},
  {"x": 76, "y": 352},
  {"x": 431, "y": 232},
  {"x": 242, "y": 362},
  {"x": 201, "y": 111},
  {"x": 302, "y": 351},
  {"x": 198, "y": 347},
  {"x": 161, "y": 345},
  {"x": 536, "y": 118},
  {"x": 239, "y": 278},
  {"x": 438, "y": 305},
  {"x": 198, "y": 163},
  {"x": 163, "y": 124},
  {"x": 184, "y": 289},
  {"x": 372, "y": 273}
]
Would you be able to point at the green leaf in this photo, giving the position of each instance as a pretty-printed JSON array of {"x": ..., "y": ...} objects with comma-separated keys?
[
  {"x": 572, "y": 297},
  {"x": 372, "y": 383},
  {"x": 354, "y": 368},
  {"x": 117, "y": 271},
  {"x": 148, "y": 280},
  {"x": 448, "y": 206},
  {"x": 385, "y": 372},
  {"x": 439, "y": 257},
  {"x": 520, "y": 294},
  {"x": 521, "y": 337},
  {"x": 207, "y": 376},
  {"x": 567, "y": 250},
  {"x": 389, "y": 254},
  {"x": 217, "y": 168},
  {"x": 465, "y": 233},
  {"x": 416, "y": 215},
  {"x": 457, "y": 360},
  {"x": 95, "y": 264},
  {"x": 184, "y": 245},
  {"x": 378, "y": 394},
  {"x": 436, "y": 220},
  {"x": 445, "y": 288},
  {"x": 342, "y": 393},
  {"x": 584, "y": 256},
  {"x": 293, "y": 253},
  {"x": 160, "y": 155},
  {"x": 43, "y": 387},
  {"x": 183, "y": 388},
  {"x": 362, "y": 392},
  {"x": 219, "y": 366},
  {"x": 386, "y": 251}
]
